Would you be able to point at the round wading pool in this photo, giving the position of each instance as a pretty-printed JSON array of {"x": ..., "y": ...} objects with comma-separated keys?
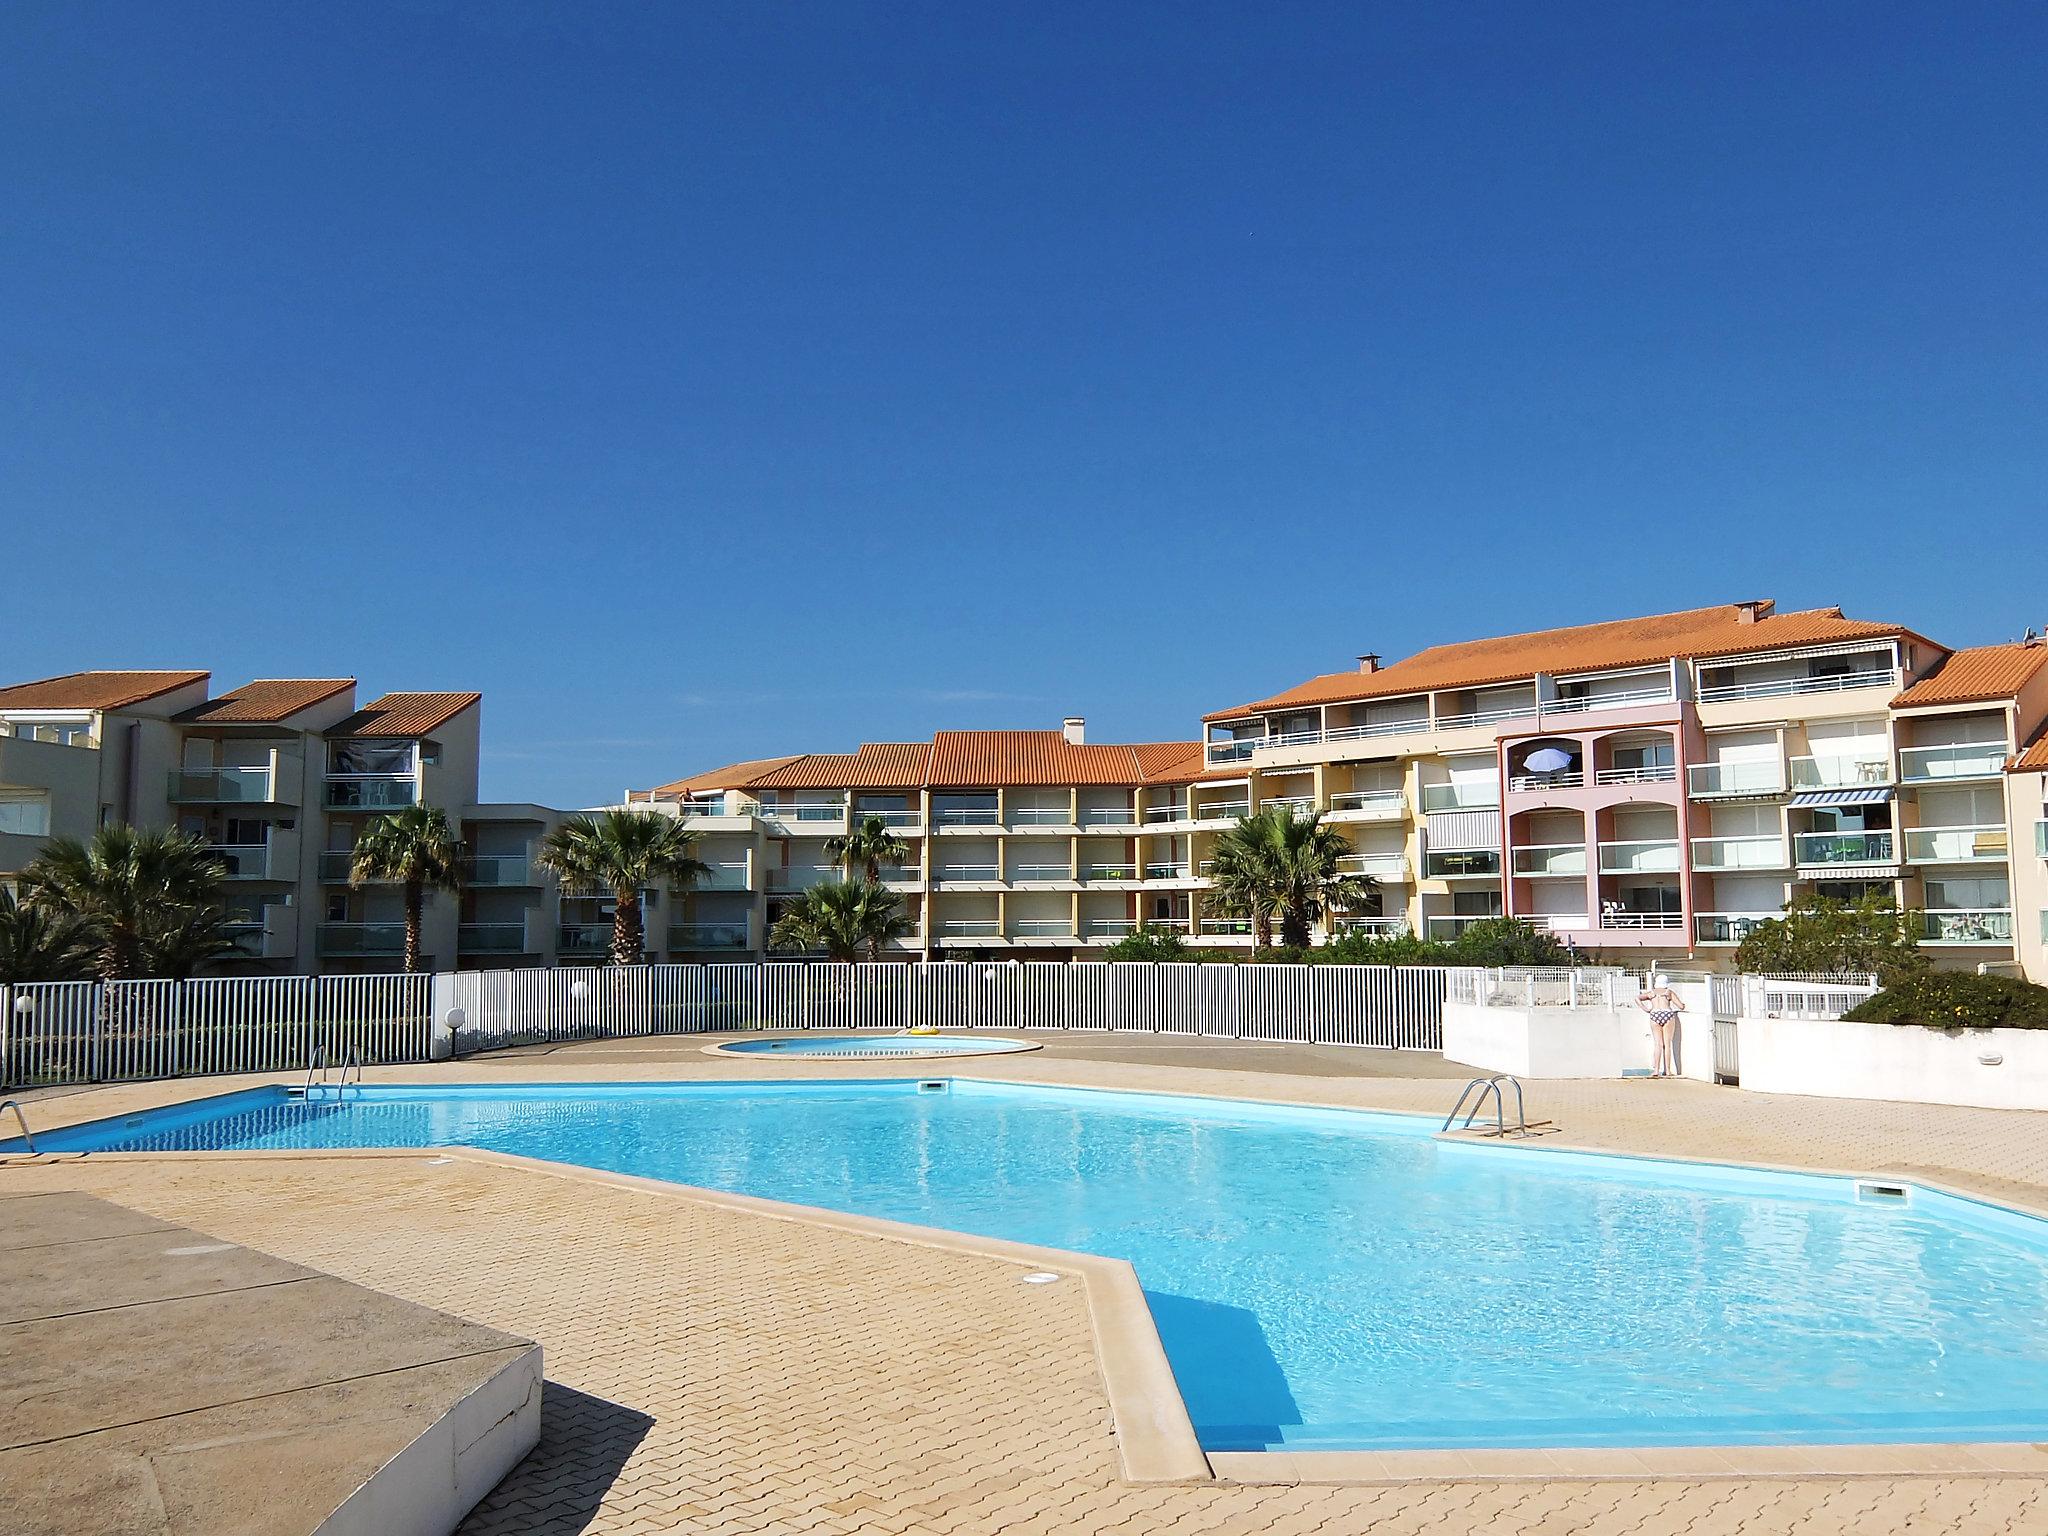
[{"x": 891, "y": 1047}]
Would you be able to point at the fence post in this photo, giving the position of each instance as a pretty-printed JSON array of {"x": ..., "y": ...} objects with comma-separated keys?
[{"x": 441, "y": 1024}]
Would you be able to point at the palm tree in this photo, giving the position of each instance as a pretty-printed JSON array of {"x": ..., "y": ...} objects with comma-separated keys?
[
  {"x": 844, "y": 918},
  {"x": 180, "y": 941},
  {"x": 1275, "y": 866},
  {"x": 40, "y": 945},
  {"x": 866, "y": 848},
  {"x": 418, "y": 850},
  {"x": 620, "y": 852},
  {"x": 121, "y": 886}
]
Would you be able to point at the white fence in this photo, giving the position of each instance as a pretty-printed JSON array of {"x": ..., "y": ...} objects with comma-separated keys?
[{"x": 78, "y": 1032}]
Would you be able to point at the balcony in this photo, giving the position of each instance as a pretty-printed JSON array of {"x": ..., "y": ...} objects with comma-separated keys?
[
  {"x": 1785, "y": 687},
  {"x": 967, "y": 816},
  {"x": 1461, "y": 797},
  {"x": 583, "y": 940},
  {"x": 245, "y": 861},
  {"x": 1721, "y": 853},
  {"x": 1368, "y": 805},
  {"x": 1108, "y": 816},
  {"x": 1238, "y": 751},
  {"x": 1842, "y": 771},
  {"x": 371, "y": 792},
  {"x": 1642, "y": 922},
  {"x": 1945, "y": 765},
  {"x": 2041, "y": 837},
  {"x": 1539, "y": 860},
  {"x": 1620, "y": 698},
  {"x": 1536, "y": 783},
  {"x": 1167, "y": 871},
  {"x": 1969, "y": 925},
  {"x": 812, "y": 818},
  {"x": 1042, "y": 929},
  {"x": 1042, "y": 816},
  {"x": 1109, "y": 928},
  {"x": 1653, "y": 773},
  {"x": 1041, "y": 874},
  {"x": 1390, "y": 867},
  {"x": 801, "y": 877},
  {"x": 1826, "y": 848},
  {"x": 223, "y": 786},
  {"x": 362, "y": 938},
  {"x": 1301, "y": 807},
  {"x": 728, "y": 875},
  {"x": 1096, "y": 873},
  {"x": 1461, "y": 864},
  {"x": 970, "y": 928},
  {"x": 491, "y": 938},
  {"x": 1159, "y": 815},
  {"x": 487, "y": 871},
  {"x": 1653, "y": 856},
  {"x": 967, "y": 874},
  {"x": 1728, "y": 927},
  {"x": 1372, "y": 927},
  {"x": 1451, "y": 927},
  {"x": 274, "y": 935},
  {"x": 1475, "y": 717},
  {"x": 1957, "y": 845},
  {"x": 910, "y": 875},
  {"x": 894, "y": 820},
  {"x": 1223, "y": 810},
  {"x": 699, "y": 936},
  {"x": 1735, "y": 781},
  {"x": 1224, "y": 927}
]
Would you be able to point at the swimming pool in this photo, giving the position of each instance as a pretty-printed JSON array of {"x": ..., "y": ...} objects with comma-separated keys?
[
  {"x": 1326, "y": 1279},
  {"x": 849, "y": 1047}
]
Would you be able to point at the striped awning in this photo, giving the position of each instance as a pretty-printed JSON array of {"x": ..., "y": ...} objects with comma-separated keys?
[{"x": 1841, "y": 797}]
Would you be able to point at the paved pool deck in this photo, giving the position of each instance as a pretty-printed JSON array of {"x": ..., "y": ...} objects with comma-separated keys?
[{"x": 718, "y": 1367}]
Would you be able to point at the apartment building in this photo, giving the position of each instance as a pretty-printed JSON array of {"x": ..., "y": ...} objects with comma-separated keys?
[
  {"x": 1654, "y": 788},
  {"x": 1033, "y": 843},
  {"x": 279, "y": 776}
]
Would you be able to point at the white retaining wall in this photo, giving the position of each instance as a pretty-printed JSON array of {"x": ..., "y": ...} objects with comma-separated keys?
[{"x": 1833, "y": 1058}]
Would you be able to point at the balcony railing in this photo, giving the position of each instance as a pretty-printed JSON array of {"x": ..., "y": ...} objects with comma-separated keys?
[
  {"x": 1472, "y": 717},
  {"x": 491, "y": 938},
  {"x": 1637, "y": 922},
  {"x": 801, "y": 877},
  {"x": 953, "y": 873},
  {"x": 1715, "y": 781},
  {"x": 1843, "y": 848},
  {"x": 1840, "y": 771},
  {"x": 1108, "y": 927},
  {"x": 1166, "y": 871},
  {"x": 970, "y": 928},
  {"x": 1390, "y": 803},
  {"x": 1238, "y": 751},
  {"x": 1110, "y": 872},
  {"x": 729, "y": 875},
  {"x": 362, "y": 938},
  {"x": 1109, "y": 816},
  {"x": 1374, "y": 866},
  {"x": 892, "y": 819},
  {"x": 584, "y": 938},
  {"x": 1372, "y": 927},
  {"x": 1451, "y": 927},
  {"x": 908, "y": 874},
  {"x": 1461, "y": 797},
  {"x": 1728, "y": 927},
  {"x": 1226, "y": 810},
  {"x": 1938, "y": 765},
  {"x": 1042, "y": 928},
  {"x": 1224, "y": 927},
  {"x": 1155, "y": 814},
  {"x": 707, "y": 936},
  {"x": 1041, "y": 874},
  {"x": 1562, "y": 778},
  {"x": 966, "y": 816},
  {"x": 1784, "y": 687},
  {"x": 1460, "y": 863},
  {"x": 1293, "y": 805},
  {"x": 244, "y": 861},
  {"x": 370, "y": 792},
  {"x": 1968, "y": 925},
  {"x": 1957, "y": 845},
  {"x": 222, "y": 786},
  {"x": 496, "y": 869},
  {"x": 1652, "y": 773},
  {"x": 1622, "y": 698},
  {"x": 1539, "y": 859},
  {"x": 802, "y": 813},
  {"x": 1651, "y": 856},
  {"x": 1713, "y": 853},
  {"x": 1042, "y": 816},
  {"x": 2041, "y": 837}
]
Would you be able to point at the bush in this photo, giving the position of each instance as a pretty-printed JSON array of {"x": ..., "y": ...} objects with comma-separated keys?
[
  {"x": 1507, "y": 941},
  {"x": 1148, "y": 943},
  {"x": 1821, "y": 936},
  {"x": 1956, "y": 1000}
]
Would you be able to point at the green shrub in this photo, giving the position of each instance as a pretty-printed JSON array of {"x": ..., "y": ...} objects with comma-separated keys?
[
  {"x": 1957, "y": 1000},
  {"x": 1145, "y": 942},
  {"x": 1819, "y": 935}
]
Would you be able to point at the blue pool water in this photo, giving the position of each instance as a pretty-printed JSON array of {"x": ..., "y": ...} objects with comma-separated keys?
[
  {"x": 1323, "y": 1279},
  {"x": 872, "y": 1045}
]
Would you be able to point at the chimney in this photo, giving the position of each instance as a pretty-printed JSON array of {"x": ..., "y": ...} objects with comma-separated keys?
[
  {"x": 1075, "y": 729},
  {"x": 1749, "y": 613},
  {"x": 1369, "y": 663}
]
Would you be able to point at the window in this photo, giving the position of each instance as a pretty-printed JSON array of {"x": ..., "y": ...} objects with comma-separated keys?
[{"x": 25, "y": 813}]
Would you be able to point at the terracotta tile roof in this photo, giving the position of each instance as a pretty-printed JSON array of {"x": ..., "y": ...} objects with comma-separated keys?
[
  {"x": 266, "y": 701},
  {"x": 877, "y": 765},
  {"x": 96, "y": 690},
  {"x": 731, "y": 776},
  {"x": 993, "y": 759},
  {"x": 2034, "y": 759},
  {"x": 405, "y": 714},
  {"x": 958, "y": 760},
  {"x": 1171, "y": 762},
  {"x": 1697, "y": 632},
  {"x": 1978, "y": 672}
]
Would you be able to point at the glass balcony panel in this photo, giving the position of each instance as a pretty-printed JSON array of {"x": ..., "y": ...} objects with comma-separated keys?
[
  {"x": 1956, "y": 845},
  {"x": 371, "y": 794},
  {"x": 1708, "y": 780},
  {"x": 1976, "y": 925},
  {"x": 1840, "y": 771},
  {"x": 1459, "y": 863},
  {"x": 221, "y": 786},
  {"x": 491, "y": 938},
  {"x": 1709, "y": 853},
  {"x": 1931, "y": 765},
  {"x": 362, "y": 938},
  {"x": 1657, "y": 856},
  {"x": 1460, "y": 797},
  {"x": 1843, "y": 847},
  {"x": 1728, "y": 927},
  {"x": 1550, "y": 859}
]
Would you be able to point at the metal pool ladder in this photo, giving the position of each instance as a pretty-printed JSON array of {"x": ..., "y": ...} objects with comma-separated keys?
[
  {"x": 317, "y": 1062},
  {"x": 1477, "y": 1090},
  {"x": 21, "y": 1120},
  {"x": 354, "y": 1059},
  {"x": 318, "y": 1065}
]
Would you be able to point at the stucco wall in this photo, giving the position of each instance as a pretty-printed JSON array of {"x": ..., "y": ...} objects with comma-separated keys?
[{"x": 1832, "y": 1058}]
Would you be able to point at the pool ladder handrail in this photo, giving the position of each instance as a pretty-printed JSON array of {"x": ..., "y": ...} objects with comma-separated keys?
[
  {"x": 20, "y": 1119},
  {"x": 353, "y": 1059},
  {"x": 1485, "y": 1085},
  {"x": 317, "y": 1062}
]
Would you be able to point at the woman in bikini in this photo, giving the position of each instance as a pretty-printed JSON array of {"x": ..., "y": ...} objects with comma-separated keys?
[{"x": 1663, "y": 1006}]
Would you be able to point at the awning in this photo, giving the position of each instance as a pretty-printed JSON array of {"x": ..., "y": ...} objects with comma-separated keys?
[{"x": 1841, "y": 797}]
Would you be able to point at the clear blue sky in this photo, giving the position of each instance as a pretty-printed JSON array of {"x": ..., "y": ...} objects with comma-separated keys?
[{"x": 703, "y": 381}]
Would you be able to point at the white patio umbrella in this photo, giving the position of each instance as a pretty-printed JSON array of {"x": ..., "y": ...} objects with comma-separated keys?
[{"x": 1547, "y": 760}]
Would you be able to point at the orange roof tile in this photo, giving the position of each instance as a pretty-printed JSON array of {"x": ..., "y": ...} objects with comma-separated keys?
[
  {"x": 266, "y": 701},
  {"x": 96, "y": 690},
  {"x": 992, "y": 759},
  {"x": 1696, "y": 632},
  {"x": 731, "y": 776},
  {"x": 1977, "y": 672},
  {"x": 877, "y": 765},
  {"x": 958, "y": 760},
  {"x": 405, "y": 714},
  {"x": 1171, "y": 762},
  {"x": 2034, "y": 759}
]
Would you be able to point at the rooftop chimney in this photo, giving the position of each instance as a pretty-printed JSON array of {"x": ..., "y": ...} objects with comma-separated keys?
[
  {"x": 1749, "y": 613},
  {"x": 1369, "y": 662},
  {"x": 1075, "y": 729}
]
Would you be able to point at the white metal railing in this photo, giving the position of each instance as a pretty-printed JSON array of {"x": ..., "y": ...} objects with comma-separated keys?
[
  {"x": 730, "y": 875},
  {"x": 1957, "y": 845},
  {"x": 1728, "y": 927},
  {"x": 1108, "y": 927},
  {"x": 1109, "y": 816},
  {"x": 1842, "y": 848},
  {"x": 1372, "y": 927},
  {"x": 1569, "y": 987},
  {"x": 982, "y": 872},
  {"x": 801, "y": 813},
  {"x": 1223, "y": 810},
  {"x": 1963, "y": 760},
  {"x": 1449, "y": 927},
  {"x": 1617, "y": 699},
  {"x": 1784, "y": 687},
  {"x": 965, "y": 816},
  {"x": 686, "y": 810},
  {"x": 1369, "y": 802},
  {"x": 1041, "y": 874},
  {"x": 1110, "y": 872},
  {"x": 222, "y": 786},
  {"x": 890, "y": 819},
  {"x": 1640, "y": 921},
  {"x": 1472, "y": 717},
  {"x": 1654, "y": 773},
  {"x": 1967, "y": 925},
  {"x": 1155, "y": 814},
  {"x": 2041, "y": 837},
  {"x": 1294, "y": 805},
  {"x": 1761, "y": 852},
  {"x": 584, "y": 938},
  {"x": 1708, "y": 781},
  {"x": 1041, "y": 928},
  {"x": 905, "y": 874},
  {"x": 1840, "y": 771},
  {"x": 1042, "y": 816},
  {"x": 970, "y": 928},
  {"x": 1375, "y": 866},
  {"x": 1548, "y": 859},
  {"x": 1562, "y": 778},
  {"x": 1645, "y": 856},
  {"x": 243, "y": 861},
  {"x": 1796, "y": 996},
  {"x": 801, "y": 877},
  {"x": 1461, "y": 797}
]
